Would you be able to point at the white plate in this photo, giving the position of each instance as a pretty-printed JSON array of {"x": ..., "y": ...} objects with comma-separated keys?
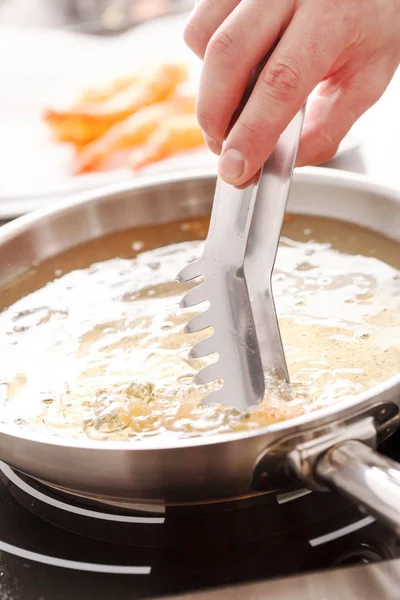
[{"x": 49, "y": 66}]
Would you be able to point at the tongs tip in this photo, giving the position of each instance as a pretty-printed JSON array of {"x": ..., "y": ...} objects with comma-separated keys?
[
  {"x": 194, "y": 297},
  {"x": 189, "y": 272}
]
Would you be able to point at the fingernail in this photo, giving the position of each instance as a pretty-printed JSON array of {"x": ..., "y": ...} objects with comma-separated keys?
[
  {"x": 231, "y": 164},
  {"x": 214, "y": 146}
]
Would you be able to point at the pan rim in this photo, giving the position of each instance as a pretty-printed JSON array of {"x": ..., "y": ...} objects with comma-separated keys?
[{"x": 319, "y": 175}]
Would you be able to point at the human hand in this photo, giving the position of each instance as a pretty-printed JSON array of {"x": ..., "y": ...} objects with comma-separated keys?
[{"x": 351, "y": 48}]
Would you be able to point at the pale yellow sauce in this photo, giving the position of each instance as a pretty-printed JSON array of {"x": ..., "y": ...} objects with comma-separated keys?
[{"x": 100, "y": 351}]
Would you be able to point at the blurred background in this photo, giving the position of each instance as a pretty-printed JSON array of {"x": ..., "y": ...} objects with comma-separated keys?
[
  {"x": 98, "y": 17},
  {"x": 60, "y": 55},
  {"x": 81, "y": 104}
]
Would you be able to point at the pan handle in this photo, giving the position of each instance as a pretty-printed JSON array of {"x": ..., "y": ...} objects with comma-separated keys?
[{"x": 367, "y": 478}]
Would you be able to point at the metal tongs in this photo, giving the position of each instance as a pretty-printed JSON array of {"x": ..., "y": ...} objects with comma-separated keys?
[{"x": 236, "y": 266}]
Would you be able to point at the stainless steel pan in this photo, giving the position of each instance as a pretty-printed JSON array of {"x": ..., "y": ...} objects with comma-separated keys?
[{"x": 331, "y": 448}]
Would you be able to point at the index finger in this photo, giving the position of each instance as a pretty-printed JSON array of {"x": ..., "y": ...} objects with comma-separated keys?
[{"x": 309, "y": 47}]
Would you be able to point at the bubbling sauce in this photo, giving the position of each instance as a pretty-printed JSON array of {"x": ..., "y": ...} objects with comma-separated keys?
[{"x": 93, "y": 346}]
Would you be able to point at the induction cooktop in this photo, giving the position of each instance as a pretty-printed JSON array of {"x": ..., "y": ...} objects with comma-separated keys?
[{"x": 55, "y": 546}]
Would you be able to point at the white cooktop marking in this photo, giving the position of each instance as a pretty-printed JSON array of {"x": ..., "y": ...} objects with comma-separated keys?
[
  {"x": 334, "y": 535},
  {"x": 9, "y": 473},
  {"x": 72, "y": 564},
  {"x": 289, "y": 496}
]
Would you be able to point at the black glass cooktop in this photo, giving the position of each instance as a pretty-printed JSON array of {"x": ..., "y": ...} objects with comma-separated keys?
[{"x": 58, "y": 547}]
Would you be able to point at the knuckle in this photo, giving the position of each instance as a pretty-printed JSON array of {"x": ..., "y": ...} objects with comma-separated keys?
[
  {"x": 282, "y": 81},
  {"x": 223, "y": 48}
]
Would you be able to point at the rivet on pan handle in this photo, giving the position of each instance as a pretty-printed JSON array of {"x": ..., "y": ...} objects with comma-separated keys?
[
  {"x": 346, "y": 462},
  {"x": 303, "y": 458}
]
